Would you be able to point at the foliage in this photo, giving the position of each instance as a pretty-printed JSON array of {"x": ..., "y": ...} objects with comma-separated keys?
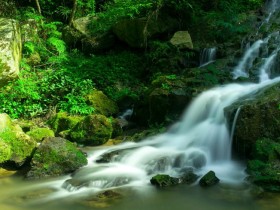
[
  {"x": 116, "y": 74},
  {"x": 33, "y": 94}
]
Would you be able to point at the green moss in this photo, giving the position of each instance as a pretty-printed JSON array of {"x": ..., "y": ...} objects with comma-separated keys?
[
  {"x": 5, "y": 151},
  {"x": 56, "y": 156},
  {"x": 63, "y": 121},
  {"x": 21, "y": 146},
  {"x": 92, "y": 130},
  {"x": 39, "y": 133},
  {"x": 101, "y": 103}
]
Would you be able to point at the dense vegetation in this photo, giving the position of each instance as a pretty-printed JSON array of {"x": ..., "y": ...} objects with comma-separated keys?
[{"x": 56, "y": 76}]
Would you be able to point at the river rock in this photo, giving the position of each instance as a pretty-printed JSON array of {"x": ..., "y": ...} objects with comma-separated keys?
[
  {"x": 209, "y": 179},
  {"x": 94, "y": 129},
  {"x": 10, "y": 50},
  {"x": 258, "y": 118},
  {"x": 54, "y": 157},
  {"x": 163, "y": 180},
  {"x": 182, "y": 40},
  {"x": 15, "y": 145}
]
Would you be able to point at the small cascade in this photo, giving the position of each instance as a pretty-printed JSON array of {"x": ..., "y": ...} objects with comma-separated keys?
[
  {"x": 207, "y": 56},
  {"x": 242, "y": 69}
]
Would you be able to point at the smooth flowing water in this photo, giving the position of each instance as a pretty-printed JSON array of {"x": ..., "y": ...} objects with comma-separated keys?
[
  {"x": 207, "y": 56},
  {"x": 200, "y": 141}
]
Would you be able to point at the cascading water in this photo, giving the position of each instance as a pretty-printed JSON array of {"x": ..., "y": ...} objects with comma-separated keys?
[
  {"x": 207, "y": 56},
  {"x": 201, "y": 141}
]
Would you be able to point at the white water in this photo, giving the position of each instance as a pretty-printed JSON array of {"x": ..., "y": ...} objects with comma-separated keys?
[
  {"x": 207, "y": 56},
  {"x": 201, "y": 140}
]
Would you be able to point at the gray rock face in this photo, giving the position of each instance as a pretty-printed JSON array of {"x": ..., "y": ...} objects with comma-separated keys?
[{"x": 10, "y": 50}]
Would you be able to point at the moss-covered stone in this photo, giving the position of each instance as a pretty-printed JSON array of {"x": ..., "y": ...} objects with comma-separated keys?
[
  {"x": 259, "y": 117},
  {"x": 54, "y": 157},
  {"x": 209, "y": 179},
  {"x": 11, "y": 136},
  {"x": 264, "y": 169},
  {"x": 101, "y": 103},
  {"x": 92, "y": 130},
  {"x": 163, "y": 180},
  {"x": 63, "y": 121},
  {"x": 5, "y": 151},
  {"x": 39, "y": 133}
]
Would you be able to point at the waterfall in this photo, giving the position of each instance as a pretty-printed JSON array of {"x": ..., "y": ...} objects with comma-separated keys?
[
  {"x": 241, "y": 70},
  {"x": 201, "y": 140},
  {"x": 207, "y": 56}
]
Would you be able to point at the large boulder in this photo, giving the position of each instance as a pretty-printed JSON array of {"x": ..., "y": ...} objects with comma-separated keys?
[
  {"x": 15, "y": 145},
  {"x": 258, "y": 118},
  {"x": 62, "y": 121},
  {"x": 182, "y": 40},
  {"x": 94, "y": 129},
  {"x": 54, "y": 157},
  {"x": 135, "y": 32},
  {"x": 10, "y": 50},
  {"x": 101, "y": 103},
  {"x": 79, "y": 35}
]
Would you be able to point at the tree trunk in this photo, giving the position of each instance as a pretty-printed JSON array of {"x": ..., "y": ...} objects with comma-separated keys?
[
  {"x": 38, "y": 7},
  {"x": 74, "y": 8}
]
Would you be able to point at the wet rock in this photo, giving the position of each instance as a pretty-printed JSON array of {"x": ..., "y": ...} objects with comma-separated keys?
[
  {"x": 209, "y": 179},
  {"x": 92, "y": 130},
  {"x": 258, "y": 118},
  {"x": 74, "y": 184},
  {"x": 55, "y": 157},
  {"x": 188, "y": 177},
  {"x": 163, "y": 180}
]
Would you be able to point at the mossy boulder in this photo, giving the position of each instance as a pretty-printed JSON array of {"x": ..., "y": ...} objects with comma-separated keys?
[
  {"x": 62, "y": 121},
  {"x": 135, "y": 32},
  {"x": 92, "y": 130},
  {"x": 15, "y": 145},
  {"x": 54, "y": 157},
  {"x": 39, "y": 133},
  {"x": 182, "y": 40},
  {"x": 164, "y": 180},
  {"x": 209, "y": 179},
  {"x": 101, "y": 103},
  {"x": 264, "y": 169},
  {"x": 10, "y": 50},
  {"x": 258, "y": 118},
  {"x": 80, "y": 36}
]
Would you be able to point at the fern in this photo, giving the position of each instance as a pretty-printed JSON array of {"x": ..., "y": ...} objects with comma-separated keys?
[{"x": 57, "y": 44}]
